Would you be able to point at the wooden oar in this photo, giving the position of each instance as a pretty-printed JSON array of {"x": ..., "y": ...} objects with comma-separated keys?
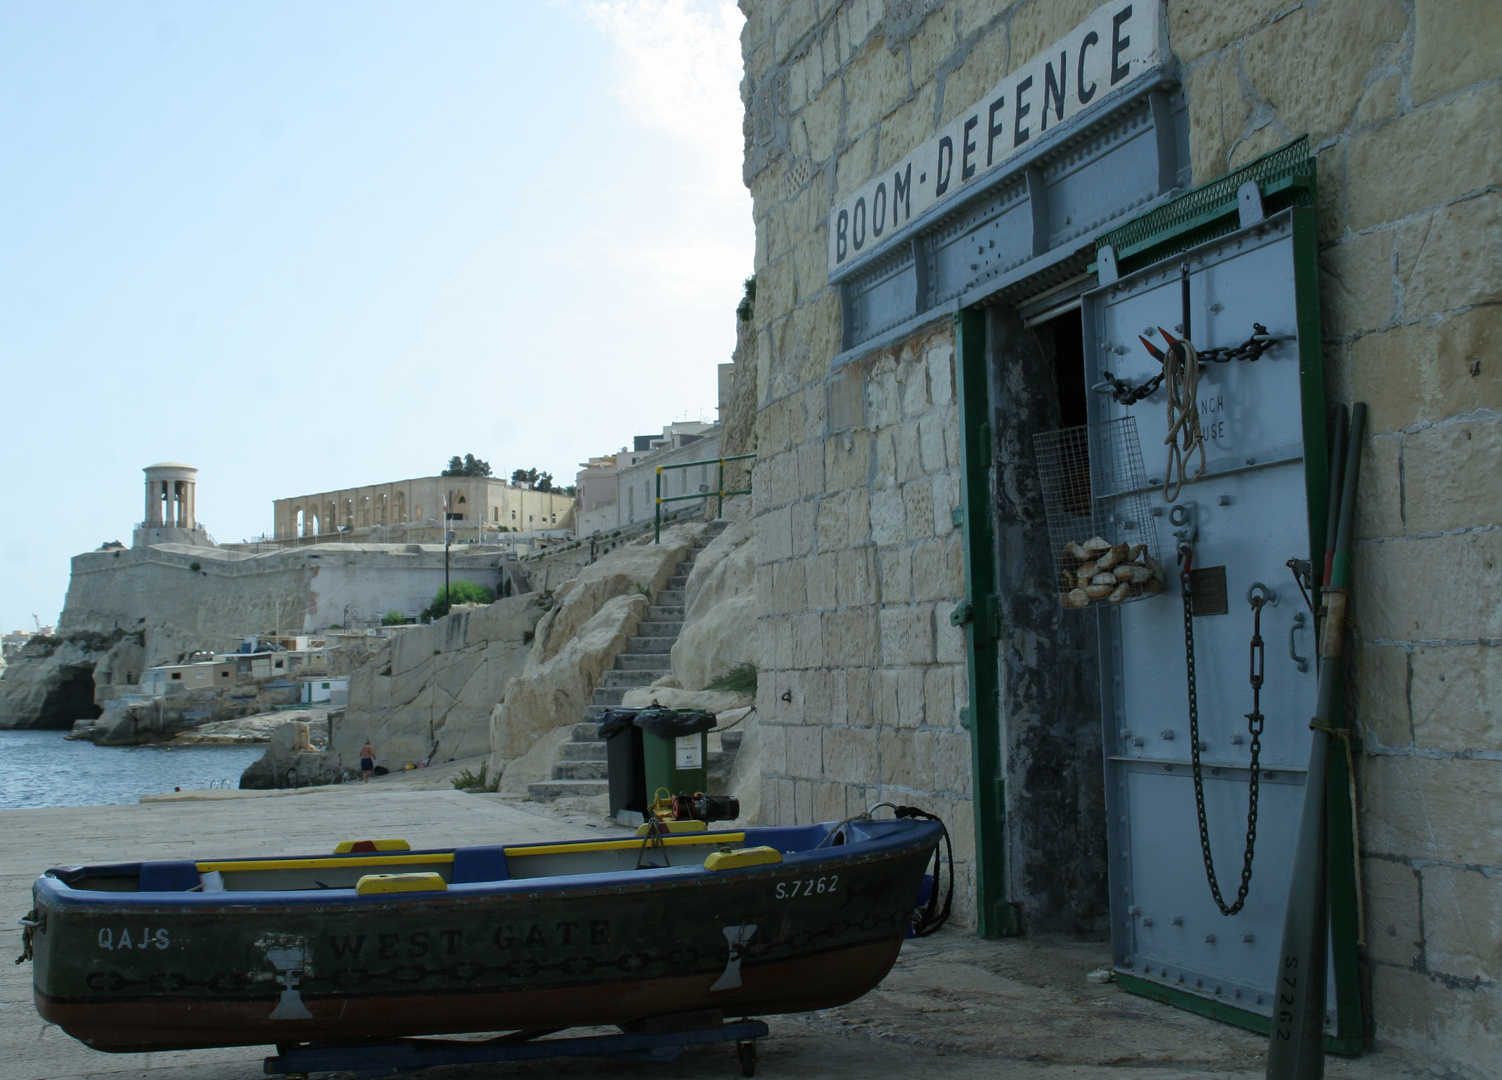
[{"x": 1295, "y": 1048}]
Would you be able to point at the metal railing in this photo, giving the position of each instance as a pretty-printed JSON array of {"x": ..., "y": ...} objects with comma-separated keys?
[{"x": 719, "y": 494}]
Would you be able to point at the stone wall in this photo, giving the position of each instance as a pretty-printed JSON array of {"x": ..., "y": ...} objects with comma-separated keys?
[{"x": 1401, "y": 102}]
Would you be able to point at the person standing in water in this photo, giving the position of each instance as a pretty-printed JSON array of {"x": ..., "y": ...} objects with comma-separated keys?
[{"x": 367, "y": 760}]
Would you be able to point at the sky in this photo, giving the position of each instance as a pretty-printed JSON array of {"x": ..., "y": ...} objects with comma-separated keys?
[{"x": 306, "y": 246}]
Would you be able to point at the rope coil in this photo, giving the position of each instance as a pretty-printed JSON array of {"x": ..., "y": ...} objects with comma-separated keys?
[{"x": 1181, "y": 377}]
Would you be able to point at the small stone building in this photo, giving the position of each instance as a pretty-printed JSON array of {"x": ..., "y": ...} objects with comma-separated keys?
[{"x": 975, "y": 220}]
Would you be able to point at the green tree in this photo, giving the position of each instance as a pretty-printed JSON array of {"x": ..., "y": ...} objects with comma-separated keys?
[
  {"x": 393, "y": 618},
  {"x": 469, "y": 465},
  {"x": 459, "y": 592},
  {"x": 544, "y": 482}
]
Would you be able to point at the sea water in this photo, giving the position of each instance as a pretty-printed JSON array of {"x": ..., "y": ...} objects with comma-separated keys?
[{"x": 43, "y": 768}]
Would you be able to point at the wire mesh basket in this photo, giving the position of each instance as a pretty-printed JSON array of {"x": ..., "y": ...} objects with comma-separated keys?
[{"x": 1100, "y": 529}]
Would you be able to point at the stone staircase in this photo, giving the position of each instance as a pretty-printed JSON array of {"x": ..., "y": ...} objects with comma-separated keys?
[{"x": 580, "y": 770}]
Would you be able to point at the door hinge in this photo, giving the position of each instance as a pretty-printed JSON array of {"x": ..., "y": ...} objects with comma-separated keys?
[{"x": 982, "y": 615}]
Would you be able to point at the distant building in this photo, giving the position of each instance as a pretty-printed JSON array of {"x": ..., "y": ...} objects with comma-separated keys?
[
  {"x": 621, "y": 489},
  {"x": 468, "y": 505}
]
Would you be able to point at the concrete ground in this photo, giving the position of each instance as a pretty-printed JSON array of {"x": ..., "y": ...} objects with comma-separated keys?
[{"x": 954, "y": 1006}]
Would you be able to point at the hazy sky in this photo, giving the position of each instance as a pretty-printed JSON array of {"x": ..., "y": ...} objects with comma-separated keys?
[{"x": 306, "y": 246}]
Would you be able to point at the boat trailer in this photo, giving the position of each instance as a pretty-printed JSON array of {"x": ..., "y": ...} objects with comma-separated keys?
[{"x": 653, "y": 1040}]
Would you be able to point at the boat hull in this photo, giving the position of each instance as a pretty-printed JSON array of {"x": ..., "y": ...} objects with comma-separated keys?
[{"x": 143, "y": 971}]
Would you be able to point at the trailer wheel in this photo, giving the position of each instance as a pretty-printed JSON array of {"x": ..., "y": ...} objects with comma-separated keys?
[{"x": 746, "y": 1048}]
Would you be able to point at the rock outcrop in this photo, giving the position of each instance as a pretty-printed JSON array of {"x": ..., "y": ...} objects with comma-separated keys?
[
  {"x": 592, "y": 617},
  {"x": 50, "y": 684},
  {"x": 720, "y": 626},
  {"x": 290, "y": 761},
  {"x": 428, "y": 693}
]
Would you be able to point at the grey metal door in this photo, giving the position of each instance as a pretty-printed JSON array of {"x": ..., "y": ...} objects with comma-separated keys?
[{"x": 1242, "y": 520}]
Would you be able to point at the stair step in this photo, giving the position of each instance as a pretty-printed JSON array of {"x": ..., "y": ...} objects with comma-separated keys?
[
  {"x": 548, "y": 790},
  {"x": 655, "y": 628},
  {"x": 670, "y": 596},
  {"x": 608, "y": 695},
  {"x": 579, "y": 770},
  {"x": 731, "y": 740},
  {"x": 632, "y": 678},
  {"x": 585, "y": 732},
  {"x": 677, "y": 581},
  {"x": 658, "y": 612},
  {"x": 593, "y": 750},
  {"x": 647, "y": 644},
  {"x": 643, "y": 661}
]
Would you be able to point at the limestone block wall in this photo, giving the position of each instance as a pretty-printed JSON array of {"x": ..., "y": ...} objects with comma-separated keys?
[
  {"x": 1402, "y": 103},
  {"x": 859, "y": 566}
]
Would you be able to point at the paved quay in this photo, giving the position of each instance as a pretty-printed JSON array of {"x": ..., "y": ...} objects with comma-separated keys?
[{"x": 954, "y": 1006}]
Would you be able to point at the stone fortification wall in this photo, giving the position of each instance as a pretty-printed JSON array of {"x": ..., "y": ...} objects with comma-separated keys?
[
  {"x": 172, "y": 599},
  {"x": 855, "y": 551},
  {"x": 186, "y": 598},
  {"x": 210, "y": 598}
]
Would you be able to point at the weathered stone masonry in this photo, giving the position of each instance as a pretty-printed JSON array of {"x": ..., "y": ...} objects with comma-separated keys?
[{"x": 859, "y": 557}]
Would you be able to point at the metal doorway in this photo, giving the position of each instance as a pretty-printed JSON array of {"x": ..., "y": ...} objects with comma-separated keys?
[{"x": 1181, "y": 722}]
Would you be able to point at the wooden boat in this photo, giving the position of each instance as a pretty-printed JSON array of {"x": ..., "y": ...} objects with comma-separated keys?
[{"x": 384, "y": 941}]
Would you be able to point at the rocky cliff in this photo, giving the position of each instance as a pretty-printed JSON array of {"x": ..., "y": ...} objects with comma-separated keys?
[
  {"x": 592, "y": 617},
  {"x": 51, "y": 684}
]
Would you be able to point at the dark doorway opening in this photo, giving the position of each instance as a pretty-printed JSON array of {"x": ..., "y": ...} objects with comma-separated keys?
[
  {"x": 1050, "y": 702},
  {"x": 70, "y": 698}
]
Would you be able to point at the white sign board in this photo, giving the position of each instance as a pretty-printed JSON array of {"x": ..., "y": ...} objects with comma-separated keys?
[
  {"x": 690, "y": 751},
  {"x": 1079, "y": 73}
]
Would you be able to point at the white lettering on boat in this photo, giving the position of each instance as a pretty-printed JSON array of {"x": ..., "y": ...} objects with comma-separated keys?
[
  {"x": 108, "y": 939},
  {"x": 790, "y": 890},
  {"x": 736, "y": 937}
]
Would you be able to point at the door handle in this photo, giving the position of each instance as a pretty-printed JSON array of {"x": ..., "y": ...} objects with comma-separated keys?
[{"x": 1293, "y": 652}]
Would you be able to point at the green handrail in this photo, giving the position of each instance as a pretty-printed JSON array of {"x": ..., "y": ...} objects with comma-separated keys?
[{"x": 720, "y": 494}]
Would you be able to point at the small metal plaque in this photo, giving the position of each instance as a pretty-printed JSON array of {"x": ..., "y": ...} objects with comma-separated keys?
[{"x": 1207, "y": 590}]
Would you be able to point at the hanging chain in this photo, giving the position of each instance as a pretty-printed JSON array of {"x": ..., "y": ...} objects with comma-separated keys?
[
  {"x": 1124, "y": 393},
  {"x": 1255, "y": 722}
]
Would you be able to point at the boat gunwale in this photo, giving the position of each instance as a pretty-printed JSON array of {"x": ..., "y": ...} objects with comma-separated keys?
[{"x": 915, "y": 834}]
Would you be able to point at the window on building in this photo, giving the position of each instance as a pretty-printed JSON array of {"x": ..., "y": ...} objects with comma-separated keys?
[{"x": 177, "y": 674}]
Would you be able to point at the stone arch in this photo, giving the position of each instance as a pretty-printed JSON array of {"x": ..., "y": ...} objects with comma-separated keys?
[{"x": 401, "y": 506}]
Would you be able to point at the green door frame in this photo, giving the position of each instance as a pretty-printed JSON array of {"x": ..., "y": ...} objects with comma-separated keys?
[{"x": 979, "y": 613}]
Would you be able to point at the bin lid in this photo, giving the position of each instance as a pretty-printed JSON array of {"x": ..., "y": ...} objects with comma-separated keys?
[
  {"x": 614, "y": 721},
  {"x": 673, "y": 723}
]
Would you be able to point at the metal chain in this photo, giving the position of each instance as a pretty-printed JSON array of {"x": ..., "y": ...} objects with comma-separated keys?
[
  {"x": 1124, "y": 393},
  {"x": 1255, "y": 723},
  {"x": 1250, "y": 349}
]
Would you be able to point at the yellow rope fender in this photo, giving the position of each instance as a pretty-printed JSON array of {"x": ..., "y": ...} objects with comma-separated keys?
[{"x": 1181, "y": 378}]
